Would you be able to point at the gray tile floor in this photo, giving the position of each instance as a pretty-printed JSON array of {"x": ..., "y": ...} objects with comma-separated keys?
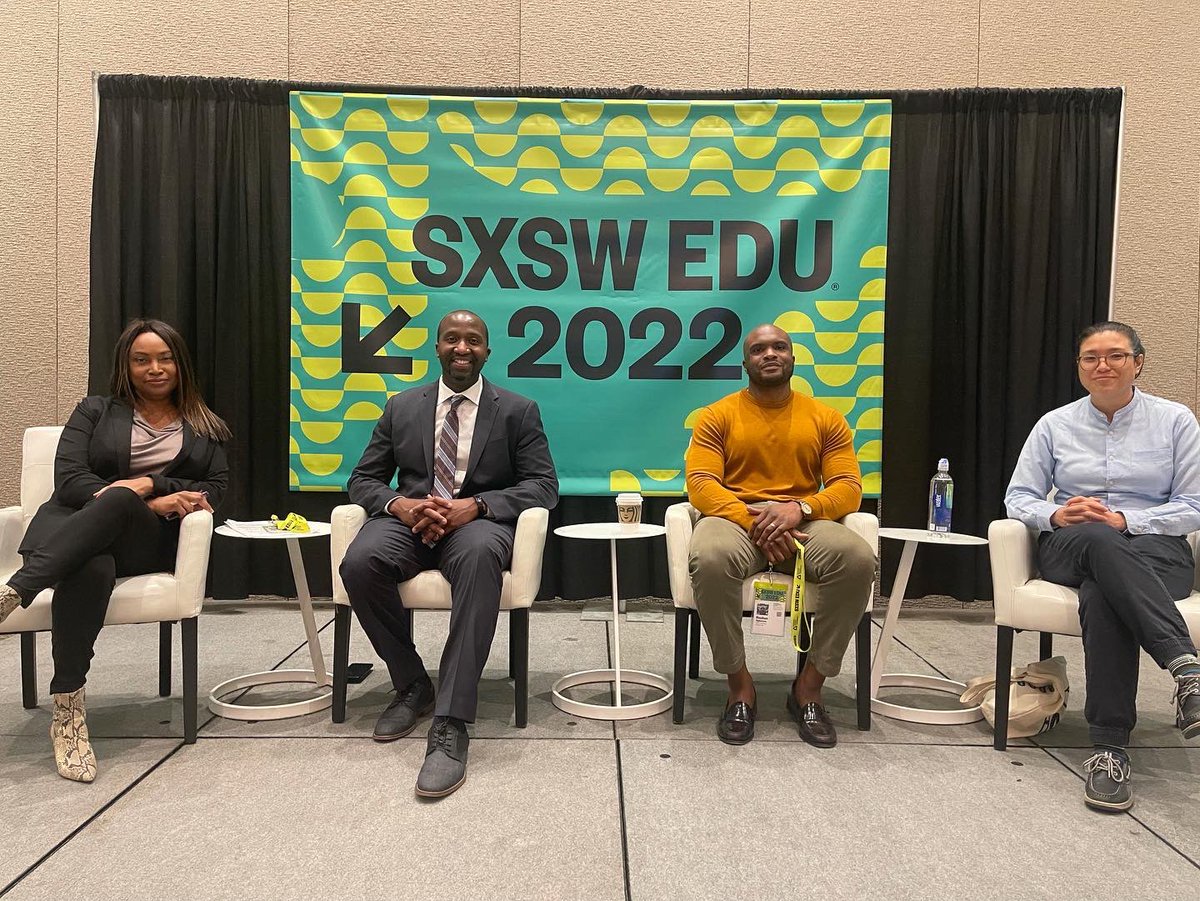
[{"x": 576, "y": 808}]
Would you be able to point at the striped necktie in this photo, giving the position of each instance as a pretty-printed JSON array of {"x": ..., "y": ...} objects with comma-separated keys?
[{"x": 445, "y": 458}]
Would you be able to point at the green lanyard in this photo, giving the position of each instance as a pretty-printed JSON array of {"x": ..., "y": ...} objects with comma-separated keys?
[{"x": 797, "y": 602}]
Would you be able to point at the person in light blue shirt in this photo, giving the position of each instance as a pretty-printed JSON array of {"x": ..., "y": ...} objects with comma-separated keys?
[{"x": 1124, "y": 467}]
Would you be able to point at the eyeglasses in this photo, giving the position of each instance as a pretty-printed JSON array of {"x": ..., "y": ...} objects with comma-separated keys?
[{"x": 1115, "y": 360}]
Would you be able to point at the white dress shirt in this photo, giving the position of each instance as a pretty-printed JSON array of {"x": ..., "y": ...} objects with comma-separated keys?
[
  {"x": 466, "y": 430},
  {"x": 1144, "y": 464},
  {"x": 466, "y": 425}
]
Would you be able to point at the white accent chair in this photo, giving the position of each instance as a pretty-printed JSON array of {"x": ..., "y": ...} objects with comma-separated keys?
[
  {"x": 1025, "y": 602},
  {"x": 429, "y": 590},
  {"x": 161, "y": 598},
  {"x": 680, "y": 521}
]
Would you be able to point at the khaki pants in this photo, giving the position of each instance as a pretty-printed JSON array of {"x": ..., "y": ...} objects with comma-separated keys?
[{"x": 722, "y": 556}]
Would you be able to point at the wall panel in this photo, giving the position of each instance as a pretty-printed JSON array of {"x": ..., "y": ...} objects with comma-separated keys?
[
  {"x": 863, "y": 44},
  {"x": 457, "y": 42},
  {"x": 657, "y": 43}
]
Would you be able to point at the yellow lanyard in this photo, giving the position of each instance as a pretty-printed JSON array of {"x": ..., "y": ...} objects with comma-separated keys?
[{"x": 797, "y": 611}]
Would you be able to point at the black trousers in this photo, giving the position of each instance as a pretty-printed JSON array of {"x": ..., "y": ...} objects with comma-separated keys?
[
  {"x": 1128, "y": 585},
  {"x": 113, "y": 536},
  {"x": 473, "y": 559}
]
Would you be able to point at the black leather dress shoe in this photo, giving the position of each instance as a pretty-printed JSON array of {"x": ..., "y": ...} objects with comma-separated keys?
[
  {"x": 814, "y": 723},
  {"x": 402, "y": 714},
  {"x": 736, "y": 725}
]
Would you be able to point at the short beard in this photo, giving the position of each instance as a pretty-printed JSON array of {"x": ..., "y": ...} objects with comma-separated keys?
[{"x": 773, "y": 381}]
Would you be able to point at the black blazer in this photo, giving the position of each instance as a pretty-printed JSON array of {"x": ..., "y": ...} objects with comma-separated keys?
[
  {"x": 94, "y": 451},
  {"x": 510, "y": 465}
]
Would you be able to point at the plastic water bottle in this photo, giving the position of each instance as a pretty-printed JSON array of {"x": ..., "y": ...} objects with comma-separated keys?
[{"x": 941, "y": 498}]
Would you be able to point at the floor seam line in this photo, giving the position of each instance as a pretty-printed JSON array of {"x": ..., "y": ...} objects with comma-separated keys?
[
  {"x": 912, "y": 651},
  {"x": 1129, "y": 813},
  {"x": 624, "y": 826},
  {"x": 91, "y": 819}
]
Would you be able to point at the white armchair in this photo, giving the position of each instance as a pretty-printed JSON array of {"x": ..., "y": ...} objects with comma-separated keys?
[
  {"x": 429, "y": 590},
  {"x": 1025, "y": 602},
  {"x": 153, "y": 598},
  {"x": 680, "y": 520}
]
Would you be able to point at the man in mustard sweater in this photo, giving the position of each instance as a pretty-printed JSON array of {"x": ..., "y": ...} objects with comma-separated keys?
[{"x": 768, "y": 466}]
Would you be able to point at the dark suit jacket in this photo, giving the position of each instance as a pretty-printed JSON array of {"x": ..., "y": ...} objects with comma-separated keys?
[
  {"x": 510, "y": 465},
  {"x": 94, "y": 451}
]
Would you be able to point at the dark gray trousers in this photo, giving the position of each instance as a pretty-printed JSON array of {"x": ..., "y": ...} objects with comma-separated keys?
[
  {"x": 472, "y": 558},
  {"x": 1128, "y": 585}
]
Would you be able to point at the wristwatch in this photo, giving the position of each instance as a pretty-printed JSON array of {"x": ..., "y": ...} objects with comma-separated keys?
[
  {"x": 806, "y": 509},
  {"x": 481, "y": 508}
]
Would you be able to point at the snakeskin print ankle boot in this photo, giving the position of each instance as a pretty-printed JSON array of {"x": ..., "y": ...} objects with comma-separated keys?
[{"x": 69, "y": 732}]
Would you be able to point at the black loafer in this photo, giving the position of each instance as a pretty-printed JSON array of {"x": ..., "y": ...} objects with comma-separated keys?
[
  {"x": 402, "y": 714},
  {"x": 736, "y": 725},
  {"x": 813, "y": 722}
]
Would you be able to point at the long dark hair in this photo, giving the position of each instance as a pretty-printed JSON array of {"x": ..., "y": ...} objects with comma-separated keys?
[{"x": 186, "y": 396}]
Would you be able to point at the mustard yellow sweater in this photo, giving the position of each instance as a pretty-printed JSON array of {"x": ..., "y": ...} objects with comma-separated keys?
[{"x": 743, "y": 452}]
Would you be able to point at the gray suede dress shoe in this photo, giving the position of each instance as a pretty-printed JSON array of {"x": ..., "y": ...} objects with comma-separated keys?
[
  {"x": 445, "y": 767},
  {"x": 402, "y": 714}
]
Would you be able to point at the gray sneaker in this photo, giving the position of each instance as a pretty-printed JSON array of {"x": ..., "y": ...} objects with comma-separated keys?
[
  {"x": 9, "y": 601},
  {"x": 1109, "y": 775},
  {"x": 445, "y": 767},
  {"x": 1187, "y": 705}
]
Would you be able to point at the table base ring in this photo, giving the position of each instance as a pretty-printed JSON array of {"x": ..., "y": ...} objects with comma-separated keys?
[
  {"x": 924, "y": 715},
  {"x": 267, "y": 711},
  {"x": 611, "y": 711}
]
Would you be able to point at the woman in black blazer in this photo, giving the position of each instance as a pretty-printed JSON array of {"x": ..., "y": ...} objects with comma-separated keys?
[{"x": 129, "y": 466}]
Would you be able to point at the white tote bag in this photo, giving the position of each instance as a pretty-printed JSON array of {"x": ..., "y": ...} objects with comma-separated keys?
[{"x": 1037, "y": 697}]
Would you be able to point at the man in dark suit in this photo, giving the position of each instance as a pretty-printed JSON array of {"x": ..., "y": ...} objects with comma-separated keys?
[{"x": 467, "y": 458}]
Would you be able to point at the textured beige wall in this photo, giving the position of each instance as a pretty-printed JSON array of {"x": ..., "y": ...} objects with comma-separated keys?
[{"x": 48, "y": 49}]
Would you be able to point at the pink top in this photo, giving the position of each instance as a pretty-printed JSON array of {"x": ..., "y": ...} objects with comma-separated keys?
[{"x": 151, "y": 449}]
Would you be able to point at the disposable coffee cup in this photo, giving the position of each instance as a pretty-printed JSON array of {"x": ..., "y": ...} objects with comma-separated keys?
[{"x": 629, "y": 510}]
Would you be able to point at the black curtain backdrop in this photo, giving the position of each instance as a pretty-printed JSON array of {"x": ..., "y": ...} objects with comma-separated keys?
[{"x": 999, "y": 243}]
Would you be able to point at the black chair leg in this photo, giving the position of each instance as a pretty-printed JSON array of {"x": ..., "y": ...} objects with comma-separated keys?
[
  {"x": 683, "y": 617},
  {"x": 29, "y": 670},
  {"x": 512, "y": 647},
  {"x": 188, "y": 633},
  {"x": 1004, "y": 646},
  {"x": 341, "y": 660},
  {"x": 164, "y": 660},
  {"x": 1046, "y": 646},
  {"x": 694, "y": 646},
  {"x": 862, "y": 666},
  {"x": 518, "y": 624}
]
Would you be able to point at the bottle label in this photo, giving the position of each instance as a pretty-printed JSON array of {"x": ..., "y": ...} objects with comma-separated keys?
[{"x": 943, "y": 504}]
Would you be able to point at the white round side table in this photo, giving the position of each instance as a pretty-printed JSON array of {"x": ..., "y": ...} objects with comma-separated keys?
[
  {"x": 880, "y": 679},
  {"x": 612, "y": 533},
  {"x": 317, "y": 675}
]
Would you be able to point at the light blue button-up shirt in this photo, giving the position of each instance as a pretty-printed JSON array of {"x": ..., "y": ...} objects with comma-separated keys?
[{"x": 1144, "y": 464}]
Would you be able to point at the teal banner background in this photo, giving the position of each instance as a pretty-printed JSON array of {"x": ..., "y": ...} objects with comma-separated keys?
[{"x": 404, "y": 208}]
